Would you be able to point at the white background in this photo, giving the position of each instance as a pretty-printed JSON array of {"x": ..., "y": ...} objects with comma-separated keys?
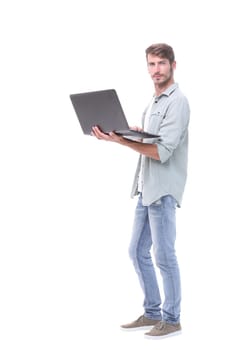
[{"x": 66, "y": 281}]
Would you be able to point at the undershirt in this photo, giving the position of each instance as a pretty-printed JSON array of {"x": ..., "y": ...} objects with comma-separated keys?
[{"x": 146, "y": 122}]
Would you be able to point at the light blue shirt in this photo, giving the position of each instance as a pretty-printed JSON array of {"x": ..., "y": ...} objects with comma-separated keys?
[{"x": 169, "y": 118}]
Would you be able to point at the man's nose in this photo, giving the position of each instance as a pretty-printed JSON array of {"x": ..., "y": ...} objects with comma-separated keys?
[{"x": 156, "y": 68}]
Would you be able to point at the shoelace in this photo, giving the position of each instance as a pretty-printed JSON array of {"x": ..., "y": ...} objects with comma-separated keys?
[
  {"x": 140, "y": 318},
  {"x": 160, "y": 325}
]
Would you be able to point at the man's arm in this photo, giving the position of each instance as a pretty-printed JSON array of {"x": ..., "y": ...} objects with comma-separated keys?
[{"x": 148, "y": 150}]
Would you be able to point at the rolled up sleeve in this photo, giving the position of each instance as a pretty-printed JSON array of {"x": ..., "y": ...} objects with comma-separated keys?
[{"x": 173, "y": 127}]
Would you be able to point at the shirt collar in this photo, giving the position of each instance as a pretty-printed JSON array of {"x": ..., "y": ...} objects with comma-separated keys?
[{"x": 168, "y": 91}]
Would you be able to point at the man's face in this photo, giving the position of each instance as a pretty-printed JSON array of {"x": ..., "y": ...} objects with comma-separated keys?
[{"x": 160, "y": 70}]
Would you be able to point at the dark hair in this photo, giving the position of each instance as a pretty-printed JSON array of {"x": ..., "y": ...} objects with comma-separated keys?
[{"x": 162, "y": 51}]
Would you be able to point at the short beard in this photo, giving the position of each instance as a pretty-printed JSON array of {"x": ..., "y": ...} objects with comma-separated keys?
[{"x": 164, "y": 83}]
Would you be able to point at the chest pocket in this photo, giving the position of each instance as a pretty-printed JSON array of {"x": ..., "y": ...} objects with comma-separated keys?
[{"x": 155, "y": 120}]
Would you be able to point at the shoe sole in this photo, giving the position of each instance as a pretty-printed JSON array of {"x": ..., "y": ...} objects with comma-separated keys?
[{"x": 158, "y": 337}]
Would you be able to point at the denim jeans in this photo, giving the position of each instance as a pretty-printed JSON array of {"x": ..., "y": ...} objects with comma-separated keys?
[{"x": 155, "y": 226}]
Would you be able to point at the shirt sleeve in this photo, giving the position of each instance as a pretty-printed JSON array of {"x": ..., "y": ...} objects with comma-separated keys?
[{"x": 174, "y": 125}]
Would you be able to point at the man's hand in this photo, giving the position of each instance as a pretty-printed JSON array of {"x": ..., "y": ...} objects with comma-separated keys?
[
  {"x": 107, "y": 137},
  {"x": 136, "y": 128},
  {"x": 149, "y": 150}
]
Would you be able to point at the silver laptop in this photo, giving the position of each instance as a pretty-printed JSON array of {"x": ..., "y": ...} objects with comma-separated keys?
[{"x": 103, "y": 109}]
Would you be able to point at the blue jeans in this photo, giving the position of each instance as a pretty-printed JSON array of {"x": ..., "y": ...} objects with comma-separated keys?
[{"x": 155, "y": 225}]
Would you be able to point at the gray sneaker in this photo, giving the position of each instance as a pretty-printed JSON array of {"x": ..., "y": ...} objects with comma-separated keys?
[
  {"x": 141, "y": 323},
  {"x": 163, "y": 330}
]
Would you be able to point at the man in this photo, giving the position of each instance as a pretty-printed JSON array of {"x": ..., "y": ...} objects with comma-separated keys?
[{"x": 159, "y": 183}]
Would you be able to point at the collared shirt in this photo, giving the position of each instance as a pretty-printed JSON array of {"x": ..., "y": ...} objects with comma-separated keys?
[{"x": 169, "y": 117}]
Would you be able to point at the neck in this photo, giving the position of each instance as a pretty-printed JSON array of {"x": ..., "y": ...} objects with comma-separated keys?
[{"x": 160, "y": 88}]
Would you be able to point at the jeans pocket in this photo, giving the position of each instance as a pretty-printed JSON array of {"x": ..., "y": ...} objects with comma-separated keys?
[
  {"x": 157, "y": 203},
  {"x": 169, "y": 201}
]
